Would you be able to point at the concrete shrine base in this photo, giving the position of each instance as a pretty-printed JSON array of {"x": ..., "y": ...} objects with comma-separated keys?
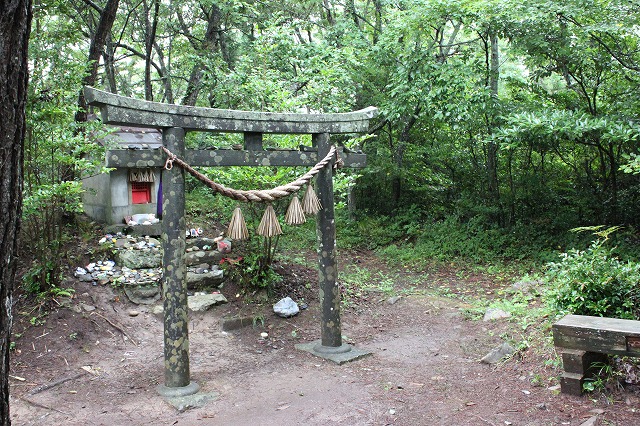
[
  {"x": 339, "y": 355},
  {"x": 186, "y": 397}
]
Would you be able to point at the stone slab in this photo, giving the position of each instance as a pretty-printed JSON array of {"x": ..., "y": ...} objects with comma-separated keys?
[
  {"x": 139, "y": 259},
  {"x": 198, "y": 257},
  {"x": 598, "y": 334},
  {"x": 339, "y": 355},
  {"x": 202, "y": 302},
  {"x": 236, "y": 323},
  {"x": 207, "y": 279},
  {"x": 198, "y": 400},
  {"x": 143, "y": 294},
  {"x": 153, "y": 230}
]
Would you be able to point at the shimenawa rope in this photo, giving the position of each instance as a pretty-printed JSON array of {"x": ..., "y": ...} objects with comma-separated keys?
[{"x": 254, "y": 194}]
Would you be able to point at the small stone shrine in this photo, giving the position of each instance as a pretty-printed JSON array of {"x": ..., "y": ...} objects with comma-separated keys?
[{"x": 126, "y": 194}]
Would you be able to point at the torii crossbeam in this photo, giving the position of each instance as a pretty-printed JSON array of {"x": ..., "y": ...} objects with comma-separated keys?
[{"x": 174, "y": 121}]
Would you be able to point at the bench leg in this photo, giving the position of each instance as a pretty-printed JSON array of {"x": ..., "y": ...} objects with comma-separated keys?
[{"x": 577, "y": 365}]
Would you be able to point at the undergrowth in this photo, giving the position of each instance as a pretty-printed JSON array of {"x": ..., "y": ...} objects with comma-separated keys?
[{"x": 596, "y": 281}]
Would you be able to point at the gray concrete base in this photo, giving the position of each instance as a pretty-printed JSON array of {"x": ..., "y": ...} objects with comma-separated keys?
[
  {"x": 181, "y": 391},
  {"x": 339, "y": 355},
  {"x": 186, "y": 397}
]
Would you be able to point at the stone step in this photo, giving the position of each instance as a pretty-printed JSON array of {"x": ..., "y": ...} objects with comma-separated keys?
[
  {"x": 151, "y": 257},
  {"x": 202, "y": 280}
]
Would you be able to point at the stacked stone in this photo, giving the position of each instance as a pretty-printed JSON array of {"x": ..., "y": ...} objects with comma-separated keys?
[{"x": 138, "y": 266}]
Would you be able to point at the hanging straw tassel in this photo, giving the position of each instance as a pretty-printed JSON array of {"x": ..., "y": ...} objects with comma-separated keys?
[
  {"x": 295, "y": 214},
  {"x": 269, "y": 225},
  {"x": 310, "y": 202},
  {"x": 237, "y": 227}
]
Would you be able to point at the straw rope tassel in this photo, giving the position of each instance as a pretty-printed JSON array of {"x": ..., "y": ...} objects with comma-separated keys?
[
  {"x": 269, "y": 225},
  {"x": 237, "y": 229},
  {"x": 295, "y": 214},
  {"x": 310, "y": 202}
]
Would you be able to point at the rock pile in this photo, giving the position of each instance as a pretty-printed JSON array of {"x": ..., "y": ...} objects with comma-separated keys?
[{"x": 138, "y": 261}]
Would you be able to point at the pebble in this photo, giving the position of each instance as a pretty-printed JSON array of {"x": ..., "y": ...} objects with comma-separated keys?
[
  {"x": 87, "y": 308},
  {"x": 133, "y": 313}
]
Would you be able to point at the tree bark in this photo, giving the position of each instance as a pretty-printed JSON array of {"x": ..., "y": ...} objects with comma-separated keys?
[
  {"x": 403, "y": 141},
  {"x": 150, "y": 38},
  {"x": 15, "y": 25},
  {"x": 492, "y": 148},
  {"x": 107, "y": 17},
  {"x": 377, "y": 31},
  {"x": 212, "y": 38},
  {"x": 165, "y": 75},
  {"x": 109, "y": 65}
]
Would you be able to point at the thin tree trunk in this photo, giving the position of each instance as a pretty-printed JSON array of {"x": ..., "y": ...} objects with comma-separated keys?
[
  {"x": 350, "y": 6},
  {"x": 109, "y": 65},
  {"x": 211, "y": 39},
  {"x": 107, "y": 17},
  {"x": 150, "y": 38},
  {"x": 15, "y": 25},
  {"x": 613, "y": 179},
  {"x": 492, "y": 148},
  {"x": 329, "y": 14},
  {"x": 378, "y": 25},
  {"x": 403, "y": 141},
  {"x": 165, "y": 75}
]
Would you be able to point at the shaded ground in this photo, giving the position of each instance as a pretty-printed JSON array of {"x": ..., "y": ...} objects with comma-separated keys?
[{"x": 424, "y": 369}]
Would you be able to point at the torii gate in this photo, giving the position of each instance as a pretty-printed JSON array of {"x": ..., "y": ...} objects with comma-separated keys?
[{"x": 174, "y": 121}]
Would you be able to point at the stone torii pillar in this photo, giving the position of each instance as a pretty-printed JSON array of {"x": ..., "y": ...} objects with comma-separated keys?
[
  {"x": 177, "y": 380},
  {"x": 175, "y": 121},
  {"x": 330, "y": 346}
]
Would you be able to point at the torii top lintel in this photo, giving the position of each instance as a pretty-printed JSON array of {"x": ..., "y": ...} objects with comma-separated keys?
[{"x": 120, "y": 110}]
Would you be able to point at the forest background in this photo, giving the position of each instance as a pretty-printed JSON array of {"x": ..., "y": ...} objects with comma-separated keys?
[{"x": 502, "y": 125}]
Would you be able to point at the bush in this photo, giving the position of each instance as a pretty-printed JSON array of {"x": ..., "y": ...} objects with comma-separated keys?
[{"x": 596, "y": 282}]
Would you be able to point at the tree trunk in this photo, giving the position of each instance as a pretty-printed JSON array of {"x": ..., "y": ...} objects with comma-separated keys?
[
  {"x": 378, "y": 25},
  {"x": 107, "y": 17},
  {"x": 212, "y": 38},
  {"x": 329, "y": 14},
  {"x": 165, "y": 75},
  {"x": 15, "y": 25},
  {"x": 492, "y": 148},
  {"x": 150, "y": 38},
  {"x": 403, "y": 141},
  {"x": 613, "y": 167},
  {"x": 350, "y": 6},
  {"x": 109, "y": 65}
]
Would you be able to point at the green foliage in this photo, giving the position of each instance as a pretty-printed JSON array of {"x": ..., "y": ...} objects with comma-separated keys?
[
  {"x": 252, "y": 272},
  {"x": 596, "y": 282},
  {"x": 563, "y": 117},
  {"x": 605, "y": 377},
  {"x": 357, "y": 283},
  {"x": 56, "y": 154},
  {"x": 62, "y": 292},
  {"x": 633, "y": 164},
  {"x": 410, "y": 240}
]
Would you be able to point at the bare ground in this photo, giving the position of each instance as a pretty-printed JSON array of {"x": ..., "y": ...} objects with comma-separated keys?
[{"x": 102, "y": 367}]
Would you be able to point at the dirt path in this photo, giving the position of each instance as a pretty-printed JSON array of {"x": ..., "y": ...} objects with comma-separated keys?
[{"x": 424, "y": 371}]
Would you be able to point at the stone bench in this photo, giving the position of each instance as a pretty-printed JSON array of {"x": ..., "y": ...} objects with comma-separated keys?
[{"x": 584, "y": 340}]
